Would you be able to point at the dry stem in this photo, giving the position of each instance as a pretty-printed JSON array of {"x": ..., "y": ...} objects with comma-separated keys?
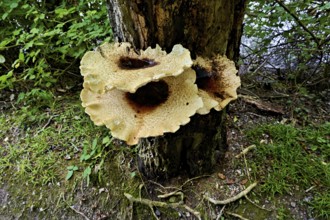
[
  {"x": 245, "y": 150},
  {"x": 232, "y": 199}
]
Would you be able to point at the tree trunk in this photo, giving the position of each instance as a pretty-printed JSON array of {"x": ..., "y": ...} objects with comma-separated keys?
[{"x": 206, "y": 28}]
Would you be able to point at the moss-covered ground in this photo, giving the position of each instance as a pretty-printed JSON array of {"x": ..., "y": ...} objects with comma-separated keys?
[{"x": 56, "y": 164}]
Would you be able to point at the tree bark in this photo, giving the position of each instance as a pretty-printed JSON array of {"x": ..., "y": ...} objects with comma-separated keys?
[{"x": 206, "y": 28}]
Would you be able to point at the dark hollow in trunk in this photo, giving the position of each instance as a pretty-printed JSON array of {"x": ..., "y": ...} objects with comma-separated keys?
[{"x": 204, "y": 27}]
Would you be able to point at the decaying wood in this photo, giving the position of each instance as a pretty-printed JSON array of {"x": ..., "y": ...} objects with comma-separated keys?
[
  {"x": 204, "y": 27},
  {"x": 263, "y": 105}
]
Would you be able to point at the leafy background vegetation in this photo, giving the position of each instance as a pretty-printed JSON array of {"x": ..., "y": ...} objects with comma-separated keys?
[
  {"x": 50, "y": 139},
  {"x": 290, "y": 40},
  {"x": 44, "y": 40}
]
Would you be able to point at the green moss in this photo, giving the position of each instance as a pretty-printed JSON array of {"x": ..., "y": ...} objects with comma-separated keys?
[{"x": 288, "y": 157}]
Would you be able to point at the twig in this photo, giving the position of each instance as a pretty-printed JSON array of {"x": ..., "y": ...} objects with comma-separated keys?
[
  {"x": 191, "y": 210},
  {"x": 248, "y": 199},
  {"x": 237, "y": 215},
  {"x": 80, "y": 213},
  {"x": 221, "y": 212},
  {"x": 310, "y": 188},
  {"x": 174, "y": 193},
  {"x": 256, "y": 70},
  {"x": 164, "y": 187},
  {"x": 246, "y": 150},
  {"x": 232, "y": 199},
  {"x": 47, "y": 123},
  {"x": 189, "y": 180}
]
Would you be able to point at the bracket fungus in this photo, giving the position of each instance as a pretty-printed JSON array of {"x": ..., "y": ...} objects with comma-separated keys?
[
  {"x": 149, "y": 93},
  {"x": 120, "y": 66},
  {"x": 217, "y": 82},
  {"x": 131, "y": 116}
]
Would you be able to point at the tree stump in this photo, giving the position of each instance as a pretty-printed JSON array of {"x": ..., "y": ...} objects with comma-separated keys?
[{"x": 206, "y": 28}]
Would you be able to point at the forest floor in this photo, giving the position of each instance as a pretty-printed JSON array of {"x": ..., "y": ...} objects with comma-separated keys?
[{"x": 55, "y": 164}]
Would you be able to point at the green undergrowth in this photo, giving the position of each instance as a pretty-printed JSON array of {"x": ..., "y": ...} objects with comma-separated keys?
[
  {"x": 52, "y": 155},
  {"x": 45, "y": 142},
  {"x": 289, "y": 159}
]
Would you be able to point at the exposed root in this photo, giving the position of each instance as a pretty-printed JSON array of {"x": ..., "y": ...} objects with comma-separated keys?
[
  {"x": 174, "y": 193},
  {"x": 152, "y": 203},
  {"x": 177, "y": 190},
  {"x": 232, "y": 199},
  {"x": 245, "y": 150}
]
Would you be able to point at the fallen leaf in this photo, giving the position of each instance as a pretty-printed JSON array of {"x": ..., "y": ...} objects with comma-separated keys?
[
  {"x": 244, "y": 181},
  {"x": 221, "y": 176},
  {"x": 230, "y": 181}
]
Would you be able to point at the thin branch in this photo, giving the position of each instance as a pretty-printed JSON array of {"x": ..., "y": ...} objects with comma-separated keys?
[
  {"x": 48, "y": 122},
  {"x": 80, "y": 213},
  {"x": 237, "y": 215},
  {"x": 317, "y": 41},
  {"x": 232, "y": 199},
  {"x": 221, "y": 212},
  {"x": 246, "y": 150},
  {"x": 248, "y": 199}
]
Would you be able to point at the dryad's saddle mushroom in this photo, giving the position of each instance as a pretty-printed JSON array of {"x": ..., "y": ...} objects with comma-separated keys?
[
  {"x": 119, "y": 66},
  {"x": 148, "y": 93},
  {"x": 217, "y": 82}
]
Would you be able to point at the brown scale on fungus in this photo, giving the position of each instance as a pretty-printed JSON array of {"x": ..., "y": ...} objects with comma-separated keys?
[
  {"x": 134, "y": 63},
  {"x": 149, "y": 96}
]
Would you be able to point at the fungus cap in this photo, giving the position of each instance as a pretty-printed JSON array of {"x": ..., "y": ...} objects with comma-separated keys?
[
  {"x": 119, "y": 66},
  {"x": 130, "y": 117},
  {"x": 217, "y": 82}
]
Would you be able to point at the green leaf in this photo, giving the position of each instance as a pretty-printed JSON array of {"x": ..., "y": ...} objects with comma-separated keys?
[
  {"x": 72, "y": 167},
  {"x": 13, "y": 5},
  {"x": 321, "y": 140},
  {"x": 314, "y": 148},
  {"x": 2, "y": 59},
  {"x": 69, "y": 175},
  {"x": 87, "y": 172},
  {"x": 34, "y": 31},
  {"x": 325, "y": 7},
  {"x": 5, "y": 42},
  {"x": 17, "y": 32},
  {"x": 21, "y": 56},
  {"x": 85, "y": 157},
  {"x": 28, "y": 45},
  {"x": 94, "y": 143},
  {"x": 133, "y": 174},
  {"x": 106, "y": 140},
  {"x": 69, "y": 167},
  {"x": 4, "y": 15}
]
